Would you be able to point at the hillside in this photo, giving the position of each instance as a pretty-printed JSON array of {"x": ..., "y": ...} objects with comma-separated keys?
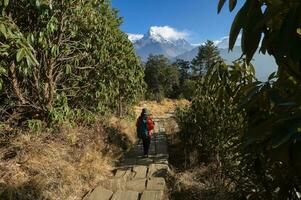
[{"x": 156, "y": 43}]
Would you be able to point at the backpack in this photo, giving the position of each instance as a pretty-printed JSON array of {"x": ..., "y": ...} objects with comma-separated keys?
[{"x": 142, "y": 131}]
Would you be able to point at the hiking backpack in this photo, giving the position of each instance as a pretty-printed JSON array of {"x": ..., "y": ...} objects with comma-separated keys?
[{"x": 142, "y": 130}]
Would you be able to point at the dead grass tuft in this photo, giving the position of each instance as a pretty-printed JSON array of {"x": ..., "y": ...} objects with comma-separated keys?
[
  {"x": 63, "y": 165},
  {"x": 193, "y": 183},
  {"x": 159, "y": 109},
  {"x": 126, "y": 127}
]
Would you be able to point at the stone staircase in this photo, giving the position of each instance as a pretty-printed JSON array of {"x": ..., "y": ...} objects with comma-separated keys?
[{"x": 136, "y": 177}]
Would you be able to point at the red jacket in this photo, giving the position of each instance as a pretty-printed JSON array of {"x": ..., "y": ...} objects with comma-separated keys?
[{"x": 150, "y": 124}]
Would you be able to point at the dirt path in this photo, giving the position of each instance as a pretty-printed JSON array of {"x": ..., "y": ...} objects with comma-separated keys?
[{"x": 138, "y": 178}]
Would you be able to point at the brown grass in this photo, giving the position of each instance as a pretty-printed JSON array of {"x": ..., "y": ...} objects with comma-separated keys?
[
  {"x": 194, "y": 183},
  {"x": 62, "y": 165},
  {"x": 159, "y": 109},
  {"x": 125, "y": 126},
  {"x": 67, "y": 163}
]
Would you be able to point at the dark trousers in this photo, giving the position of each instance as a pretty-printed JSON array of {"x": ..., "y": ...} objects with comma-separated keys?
[{"x": 146, "y": 144}]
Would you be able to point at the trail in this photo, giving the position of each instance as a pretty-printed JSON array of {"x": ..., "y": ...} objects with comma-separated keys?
[{"x": 138, "y": 178}]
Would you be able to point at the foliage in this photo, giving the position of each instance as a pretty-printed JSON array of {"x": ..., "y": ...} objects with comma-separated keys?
[
  {"x": 187, "y": 84},
  {"x": 264, "y": 161},
  {"x": 207, "y": 56},
  {"x": 205, "y": 137},
  {"x": 188, "y": 89},
  {"x": 272, "y": 141},
  {"x": 213, "y": 126},
  {"x": 161, "y": 77},
  {"x": 279, "y": 22},
  {"x": 56, "y": 56},
  {"x": 184, "y": 68}
]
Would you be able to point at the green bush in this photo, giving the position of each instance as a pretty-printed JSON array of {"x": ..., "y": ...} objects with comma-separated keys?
[{"x": 56, "y": 56}]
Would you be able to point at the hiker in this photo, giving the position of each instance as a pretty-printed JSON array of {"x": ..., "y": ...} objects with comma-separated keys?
[{"x": 145, "y": 125}]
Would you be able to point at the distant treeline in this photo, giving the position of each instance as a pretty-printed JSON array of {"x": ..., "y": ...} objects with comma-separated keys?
[{"x": 178, "y": 79}]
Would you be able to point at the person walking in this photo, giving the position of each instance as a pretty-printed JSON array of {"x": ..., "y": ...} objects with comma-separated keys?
[{"x": 145, "y": 125}]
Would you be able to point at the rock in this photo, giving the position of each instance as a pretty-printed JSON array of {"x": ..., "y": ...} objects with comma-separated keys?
[
  {"x": 156, "y": 184},
  {"x": 120, "y": 173},
  {"x": 114, "y": 184},
  {"x": 152, "y": 195},
  {"x": 128, "y": 162},
  {"x": 139, "y": 172},
  {"x": 128, "y": 174},
  {"x": 100, "y": 193},
  {"x": 145, "y": 161},
  {"x": 136, "y": 185},
  {"x": 158, "y": 170},
  {"x": 125, "y": 195}
]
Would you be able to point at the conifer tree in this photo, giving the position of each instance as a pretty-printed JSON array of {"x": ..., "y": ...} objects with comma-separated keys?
[{"x": 207, "y": 56}]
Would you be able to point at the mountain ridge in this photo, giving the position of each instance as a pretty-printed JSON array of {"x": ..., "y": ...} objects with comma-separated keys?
[{"x": 173, "y": 45}]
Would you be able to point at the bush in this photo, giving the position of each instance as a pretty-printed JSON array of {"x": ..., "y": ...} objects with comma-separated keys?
[
  {"x": 210, "y": 129},
  {"x": 56, "y": 56}
]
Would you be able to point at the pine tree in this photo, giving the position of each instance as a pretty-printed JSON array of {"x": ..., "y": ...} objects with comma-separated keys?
[
  {"x": 207, "y": 56},
  {"x": 161, "y": 77},
  {"x": 184, "y": 69}
]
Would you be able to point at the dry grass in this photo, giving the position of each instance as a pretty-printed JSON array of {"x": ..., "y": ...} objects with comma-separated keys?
[
  {"x": 198, "y": 183},
  {"x": 65, "y": 165},
  {"x": 159, "y": 109},
  {"x": 201, "y": 181},
  {"x": 126, "y": 127}
]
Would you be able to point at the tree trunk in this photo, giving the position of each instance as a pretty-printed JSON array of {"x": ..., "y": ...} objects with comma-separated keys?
[{"x": 15, "y": 83}]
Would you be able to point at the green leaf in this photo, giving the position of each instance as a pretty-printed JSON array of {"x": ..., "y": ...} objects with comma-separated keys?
[
  {"x": 272, "y": 76},
  {"x": 251, "y": 35},
  {"x": 220, "y": 5},
  {"x": 68, "y": 69},
  {"x": 284, "y": 131},
  {"x": 6, "y": 2},
  {"x": 55, "y": 51},
  {"x": 232, "y": 4},
  {"x": 38, "y": 3},
  {"x": 2, "y": 70},
  {"x": 3, "y": 29},
  {"x": 33, "y": 59},
  {"x": 1, "y": 84},
  {"x": 299, "y": 31},
  {"x": 20, "y": 54},
  {"x": 237, "y": 25}
]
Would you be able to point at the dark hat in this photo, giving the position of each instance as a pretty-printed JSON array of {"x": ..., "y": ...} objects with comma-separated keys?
[{"x": 144, "y": 111}]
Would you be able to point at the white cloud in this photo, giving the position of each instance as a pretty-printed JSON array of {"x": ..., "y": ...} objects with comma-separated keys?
[
  {"x": 168, "y": 33},
  {"x": 196, "y": 44},
  {"x": 134, "y": 37},
  {"x": 223, "y": 43}
]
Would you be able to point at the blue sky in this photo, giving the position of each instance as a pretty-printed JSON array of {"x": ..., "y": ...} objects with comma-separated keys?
[{"x": 198, "y": 18}]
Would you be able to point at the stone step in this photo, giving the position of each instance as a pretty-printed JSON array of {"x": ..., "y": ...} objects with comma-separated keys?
[
  {"x": 158, "y": 170},
  {"x": 140, "y": 172},
  {"x": 152, "y": 195},
  {"x": 125, "y": 195},
  {"x": 156, "y": 184},
  {"x": 100, "y": 193},
  {"x": 137, "y": 177},
  {"x": 114, "y": 184},
  {"x": 138, "y": 185}
]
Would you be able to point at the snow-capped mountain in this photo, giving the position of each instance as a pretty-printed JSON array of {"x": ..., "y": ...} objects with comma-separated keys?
[
  {"x": 134, "y": 37},
  {"x": 161, "y": 40},
  {"x": 173, "y": 45},
  {"x": 223, "y": 43}
]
